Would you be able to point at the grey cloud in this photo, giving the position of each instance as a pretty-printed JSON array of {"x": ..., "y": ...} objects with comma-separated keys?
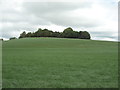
[
  {"x": 9, "y": 31},
  {"x": 67, "y": 20},
  {"x": 48, "y": 13},
  {"x": 59, "y": 13},
  {"x": 53, "y": 7},
  {"x": 17, "y": 17}
]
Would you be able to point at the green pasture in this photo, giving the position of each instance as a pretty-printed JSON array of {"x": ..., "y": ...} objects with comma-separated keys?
[{"x": 59, "y": 63}]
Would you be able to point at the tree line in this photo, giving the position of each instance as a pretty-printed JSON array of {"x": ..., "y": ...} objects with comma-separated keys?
[{"x": 67, "y": 33}]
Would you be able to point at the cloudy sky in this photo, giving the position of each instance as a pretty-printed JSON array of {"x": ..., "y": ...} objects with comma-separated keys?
[{"x": 98, "y": 17}]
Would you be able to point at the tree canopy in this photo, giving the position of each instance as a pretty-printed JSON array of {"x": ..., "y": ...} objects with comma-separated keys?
[{"x": 67, "y": 33}]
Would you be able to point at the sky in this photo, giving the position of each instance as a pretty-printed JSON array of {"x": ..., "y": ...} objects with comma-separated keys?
[{"x": 98, "y": 17}]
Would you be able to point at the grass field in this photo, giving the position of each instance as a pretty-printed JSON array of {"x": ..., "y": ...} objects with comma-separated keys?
[
  {"x": 59, "y": 63},
  {"x": 0, "y": 64}
]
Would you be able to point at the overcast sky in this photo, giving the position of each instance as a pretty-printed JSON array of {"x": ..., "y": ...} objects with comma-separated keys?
[{"x": 98, "y": 17}]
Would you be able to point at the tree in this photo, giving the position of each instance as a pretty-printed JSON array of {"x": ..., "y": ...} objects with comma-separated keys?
[
  {"x": 56, "y": 34},
  {"x": 75, "y": 34},
  {"x": 38, "y": 33},
  {"x": 23, "y": 35},
  {"x": 29, "y": 34},
  {"x": 69, "y": 33},
  {"x": 47, "y": 33},
  {"x": 43, "y": 33},
  {"x": 84, "y": 35}
]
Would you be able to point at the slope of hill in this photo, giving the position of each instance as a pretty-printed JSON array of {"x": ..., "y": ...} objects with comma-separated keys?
[{"x": 59, "y": 63}]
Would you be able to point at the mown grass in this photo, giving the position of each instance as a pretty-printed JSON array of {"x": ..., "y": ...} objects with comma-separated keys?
[{"x": 60, "y": 63}]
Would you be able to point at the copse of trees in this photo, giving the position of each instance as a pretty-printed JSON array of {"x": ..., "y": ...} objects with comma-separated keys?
[
  {"x": 67, "y": 33},
  {"x": 13, "y": 38}
]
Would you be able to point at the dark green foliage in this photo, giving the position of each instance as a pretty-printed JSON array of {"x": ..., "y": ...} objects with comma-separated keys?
[
  {"x": 84, "y": 35},
  {"x": 29, "y": 34},
  {"x": 56, "y": 34},
  {"x": 38, "y": 33},
  {"x": 67, "y": 33},
  {"x": 43, "y": 33},
  {"x": 23, "y": 35},
  {"x": 46, "y": 33},
  {"x": 13, "y": 38}
]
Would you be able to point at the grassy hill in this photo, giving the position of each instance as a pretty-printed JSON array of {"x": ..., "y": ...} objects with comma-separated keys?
[{"x": 59, "y": 63}]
